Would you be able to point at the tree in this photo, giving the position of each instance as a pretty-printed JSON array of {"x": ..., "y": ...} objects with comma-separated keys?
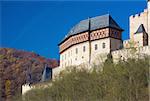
[{"x": 123, "y": 81}]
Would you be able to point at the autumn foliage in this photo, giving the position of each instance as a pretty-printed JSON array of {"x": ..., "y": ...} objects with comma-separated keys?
[
  {"x": 122, "y": 81},
  {"x": 14, "y": 67}
]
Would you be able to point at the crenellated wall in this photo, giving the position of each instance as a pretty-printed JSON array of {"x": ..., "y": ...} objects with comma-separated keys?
[
  {"x": 137, "y": 20},
  {"x": 123, "y": 54}
]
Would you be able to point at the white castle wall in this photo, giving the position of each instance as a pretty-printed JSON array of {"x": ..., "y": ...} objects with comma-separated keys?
[
  {"x": 70, "y": 57},
  {"x": 137, "y": 20},
  {"x": 26, "y": 88},
  {"x": 100, "y": 49},
  {"x": 111, "y": 44},
  {"x": 128, "y": 53},
  {"x": 138, "y": 39}
]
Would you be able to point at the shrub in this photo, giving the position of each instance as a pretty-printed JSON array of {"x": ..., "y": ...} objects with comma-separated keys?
[{"x": 124, "y": 81}]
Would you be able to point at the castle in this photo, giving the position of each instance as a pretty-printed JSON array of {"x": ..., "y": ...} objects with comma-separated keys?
[{"x": 101, "y": 35}]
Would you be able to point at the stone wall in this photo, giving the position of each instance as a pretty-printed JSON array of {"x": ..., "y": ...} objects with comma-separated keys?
[
  {"x": 123, "y": 54},
  {"x": 137, "y": 20},
  {"x": 75, "y": 55},
  {"x": 26, "y": 88}
]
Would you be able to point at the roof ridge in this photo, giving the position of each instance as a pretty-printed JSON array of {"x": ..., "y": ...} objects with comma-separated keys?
[{"x": 96, "y": 22}]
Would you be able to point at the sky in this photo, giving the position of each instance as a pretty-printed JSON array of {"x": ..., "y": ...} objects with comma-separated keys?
[{"x": 38, "y": 26}]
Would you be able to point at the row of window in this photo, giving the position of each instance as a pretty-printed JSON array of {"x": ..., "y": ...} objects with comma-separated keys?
[
  {"x": 103, "y": 46},
  {"x": 67, "y": 63},
  {"x": 84, "y": 49}
]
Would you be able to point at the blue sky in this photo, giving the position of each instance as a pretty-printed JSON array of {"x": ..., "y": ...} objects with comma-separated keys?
[{"x": 39, "y": 26}]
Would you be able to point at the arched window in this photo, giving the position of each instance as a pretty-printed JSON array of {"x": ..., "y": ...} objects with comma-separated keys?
[
  {"x": 103, "y": 45},
  {"x": 83, "y": 48},
  {"x": 96, "y": 47}
]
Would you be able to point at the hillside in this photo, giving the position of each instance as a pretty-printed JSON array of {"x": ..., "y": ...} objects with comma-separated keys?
[
  {"x": 15, "y": 66},
  {"x": 122, "y": 81}
]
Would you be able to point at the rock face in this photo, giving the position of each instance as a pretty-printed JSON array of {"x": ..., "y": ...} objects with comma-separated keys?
[{"x": 15, "y": 66}]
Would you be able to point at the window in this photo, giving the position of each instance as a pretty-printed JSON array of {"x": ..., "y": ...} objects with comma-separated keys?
[
  {"x": 115, "y": 34},
  {"x": 103, "y": 45},
  {"x": 68, "y": 54},
  {"x": 76, "y": 50},
  {"x": 83, "y": 48},
  {"x": 96, "y": 47}
]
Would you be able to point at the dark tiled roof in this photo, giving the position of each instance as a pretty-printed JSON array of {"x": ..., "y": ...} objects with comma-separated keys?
[
  {"x": 47, "y": 73},
  {"x": 94, "y": 23},
  {"x": 141, "y": 29}
]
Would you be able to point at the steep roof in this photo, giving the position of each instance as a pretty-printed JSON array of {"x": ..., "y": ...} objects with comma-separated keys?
[
  {"x": 47, "y": 73},
  {"x": 141, "y": 29},
  {"x": 93, "y": 24}
]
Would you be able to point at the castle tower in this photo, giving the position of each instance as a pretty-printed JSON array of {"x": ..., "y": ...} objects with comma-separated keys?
[
  {"x": 141, "y": 37},
  {"x": 88, "y": 39},
  {"x": 138, "y": 19}
]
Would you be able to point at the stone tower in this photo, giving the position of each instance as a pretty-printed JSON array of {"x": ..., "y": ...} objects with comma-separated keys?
[{"x": 138, "y": 19}]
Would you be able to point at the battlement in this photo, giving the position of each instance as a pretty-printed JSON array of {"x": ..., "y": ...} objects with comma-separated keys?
[
  {"x": 139, "y": 14},
  {"x": 143, "y": 49},
  {"x": 126, "y": 53}
]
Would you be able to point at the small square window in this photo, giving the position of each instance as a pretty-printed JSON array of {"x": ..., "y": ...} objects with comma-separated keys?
[
  {"x": 76, "y": 50},
  {"x": 96, "y": 47},
  {"x": 83, "y": 48},
  {"x": 103, "y": 45}
]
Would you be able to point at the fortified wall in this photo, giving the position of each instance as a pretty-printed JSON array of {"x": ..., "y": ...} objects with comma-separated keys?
[
  {"x": 102, "y": 35},
  {"x": 123, "y": 54},
  {"x": 138, "y": 19}
]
